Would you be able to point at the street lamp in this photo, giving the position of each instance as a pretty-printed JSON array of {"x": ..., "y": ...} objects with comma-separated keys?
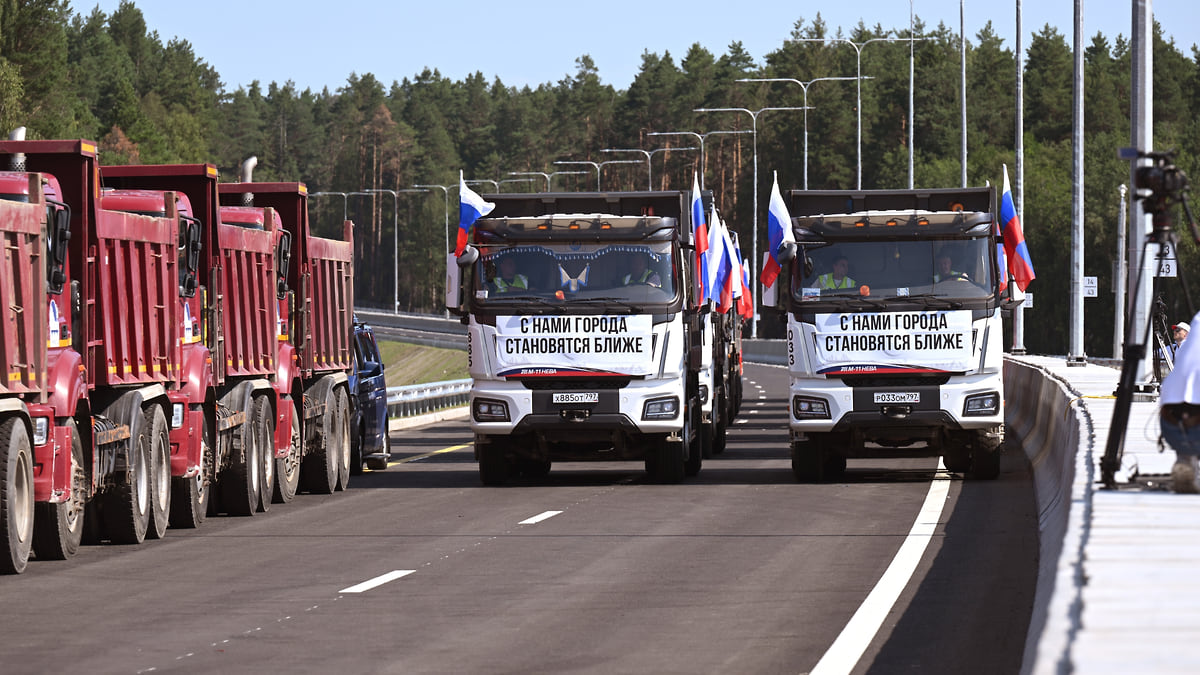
[
  {"x": 513, "y": 180},
  {"x": 594, "y": 165},
  {"x": 700, "y": 137},
  {"x": 754, "y": 233},
  {"x": 858, "y": 47},
  {"x": 446, "y": 221},
  {"x": 644, "y": 152},
  {"x": 543, "y": 174},
  {"x": 565, "y": 173},
  {"x": 327, "y": 194},
  {"x": 495, "y": 184},
  {"x": 395, "y": 242},
  {"x": 803, "y": 86},
  {"x": 615, "y": 161}
]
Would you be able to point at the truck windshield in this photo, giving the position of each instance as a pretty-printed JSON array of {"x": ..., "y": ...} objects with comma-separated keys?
[
  {"x": 949, "y": 269},
  {"x": 624, "y": 274}
]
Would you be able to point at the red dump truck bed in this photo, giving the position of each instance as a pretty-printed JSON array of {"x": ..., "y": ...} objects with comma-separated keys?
[
  {"x": 23, "y": 324},
  {"x": 127, "y": 268},
  {"x": 237, "y": 268},
  {"x": 321, "y": 273}
]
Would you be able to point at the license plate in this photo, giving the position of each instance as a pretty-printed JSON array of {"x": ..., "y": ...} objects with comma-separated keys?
[
  {"x": 576, "y": 397},
  {"x": 897, "y": 397}
]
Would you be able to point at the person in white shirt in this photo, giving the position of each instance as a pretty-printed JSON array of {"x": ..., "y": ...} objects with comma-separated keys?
[{"x": 1179, "y": 415}]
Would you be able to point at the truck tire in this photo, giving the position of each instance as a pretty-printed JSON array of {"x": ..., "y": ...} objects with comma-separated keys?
[
  {"x": 985, "y": 464},
  {"x": 668, "y": 467},
  {"x": 16, "y": 495},
  {"x": 126, "y": 510},
  {"x": 808, "y": 462},
  {"x": 534, "y": 469},
  {"x": 695, "y": 448},
  {"x": 264, "y": 426},
  {"x": 356, "y": 449},
  {"x": 240, "y": 484},
  {"x": 160, "y": 471},
  {"x": 495, "y": 468},
  {"x": 319, "y": 471},
  {"x": 190, "y": 496},
  {"x": 342, "y": 439},
  {"x": 58, "y": 528},
  {"x": 381, "y": 463},
  {"x": 287, "y": 468}
]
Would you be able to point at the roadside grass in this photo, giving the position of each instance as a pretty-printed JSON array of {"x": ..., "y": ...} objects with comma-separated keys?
[{"x": 417, "y": 364}]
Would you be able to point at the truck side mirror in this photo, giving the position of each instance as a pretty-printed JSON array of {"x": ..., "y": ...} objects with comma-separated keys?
[
  {"x": 57, "y": 239},
  {"x": 283, "y": 257},
  {"x": 454, "y": 275},
  {"x": 189, "y": 276}
]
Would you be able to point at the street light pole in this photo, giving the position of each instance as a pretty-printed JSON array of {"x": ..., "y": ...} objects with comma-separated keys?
[
  {"x": 754, "y": 192},
  {"x": 395, "y": 243},
  {"x": 566, "y": 173},
  {"x": 804, "y": 87},
  {"x": 649, "y": 182},
  {"x": 543, "y": 174},
  {"x": 445, "y": 222},
  {"x": 582, "y": 162},
  {"x": 700, "y": 137},
  {"x": 327, "y": 194},
  {"x": 858, "y": 47},
  {"x": 615, "y": 161}
]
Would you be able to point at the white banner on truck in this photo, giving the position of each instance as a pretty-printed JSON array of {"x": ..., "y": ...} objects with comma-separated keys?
[
  {"x": 890, "y": 342},
  {"x": 550, "y": 345}
]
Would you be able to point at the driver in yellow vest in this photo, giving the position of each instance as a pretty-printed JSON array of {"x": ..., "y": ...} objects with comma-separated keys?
[
  {"x": 837, "y": 279},
  {"x": 508, "y": 278},
  {"x": 641, "y": 274},
  {"x": 945, "y": 269}
]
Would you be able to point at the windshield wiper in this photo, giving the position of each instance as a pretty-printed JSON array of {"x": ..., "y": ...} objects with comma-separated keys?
[
  {"x": 536, "y": 299},
  {"x": 635, "y": 309},
  {"x": 930, "y": 300}
]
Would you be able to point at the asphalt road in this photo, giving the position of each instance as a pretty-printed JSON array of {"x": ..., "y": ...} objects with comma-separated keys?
[{"x": 592, "y": 569}]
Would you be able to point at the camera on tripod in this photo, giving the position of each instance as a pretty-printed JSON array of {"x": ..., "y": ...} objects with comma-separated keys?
[{"x": 1166, "y": 183}]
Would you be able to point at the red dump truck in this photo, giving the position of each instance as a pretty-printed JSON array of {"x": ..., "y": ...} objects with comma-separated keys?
[
  {"x": 228, "y": 404},
  {"x": 113, "y": 358},
  {"x": 315, "y": 332}
]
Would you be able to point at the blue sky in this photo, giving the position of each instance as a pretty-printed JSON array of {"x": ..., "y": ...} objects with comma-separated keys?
[{"x": 529, "y": 43}]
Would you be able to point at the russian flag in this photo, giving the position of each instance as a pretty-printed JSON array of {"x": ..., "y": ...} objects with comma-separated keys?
[
  {"x": 779, "y": 230},
  {"x": 1015, "y": 247},
  {"x": 718, "y": 272},
  {"x": 700, "y": 236},
  {"x": 471, "y": 208},
  {"x": 745, "y": 304},
  {"x": 731, "y": 289}
]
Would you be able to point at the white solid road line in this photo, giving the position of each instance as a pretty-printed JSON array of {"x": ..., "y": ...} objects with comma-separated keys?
[
  {"x": 545, "y": 515},
  {"x": 377, "y": 581},
  {"x": 854, "y": 639}
]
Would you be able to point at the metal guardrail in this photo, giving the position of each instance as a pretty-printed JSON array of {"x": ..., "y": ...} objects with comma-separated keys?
[{"x": 418, "y": 399}]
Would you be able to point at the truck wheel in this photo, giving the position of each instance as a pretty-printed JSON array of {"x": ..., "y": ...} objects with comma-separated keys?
[
  {"x": 381, "y": 463},
  {"x": 808, "y": 464},
  {"x": 700, "y": 443},
  {"x": 240, "y": 484},
  {"x": 190, "y": 496},
  {"x": 533, "y": 468},
  {"x": 985, "y": 464},
  {"x": 495, "y": 468},
  {"x": 342, "y": 439},
  {"x": 957, "y": 460},
  {"x": 16, "y": 495},
  {"x": 356, "y": 451},
  {"x": 127, "y": 507},
  {"x": 160, "y": 472},
  {"x": 287, "y": 468},
  {"x": 264, "y": 426},
  {"x": 720, "y": 416},
  {"x": 58, "y": 528},
  {"x": 670, "y": 463},
  {"x": 319, "y": 471}
]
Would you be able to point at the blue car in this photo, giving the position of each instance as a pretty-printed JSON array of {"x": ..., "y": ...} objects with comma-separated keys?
[{"x": 369, "y": 443}]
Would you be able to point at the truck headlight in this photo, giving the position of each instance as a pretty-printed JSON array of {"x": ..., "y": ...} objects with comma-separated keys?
[
  {"x": 666, "y": 408},
  {"x": 804, "y": 407},
  {"x": 488, "y": 410},
  {"x": 982, "y": 405},
  {"x": 41, "y": 430}
]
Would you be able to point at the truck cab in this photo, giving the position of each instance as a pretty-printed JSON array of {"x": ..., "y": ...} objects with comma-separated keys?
[
  {"x": 894, "y": 333},
  {"x": 582, "y": 343}
]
